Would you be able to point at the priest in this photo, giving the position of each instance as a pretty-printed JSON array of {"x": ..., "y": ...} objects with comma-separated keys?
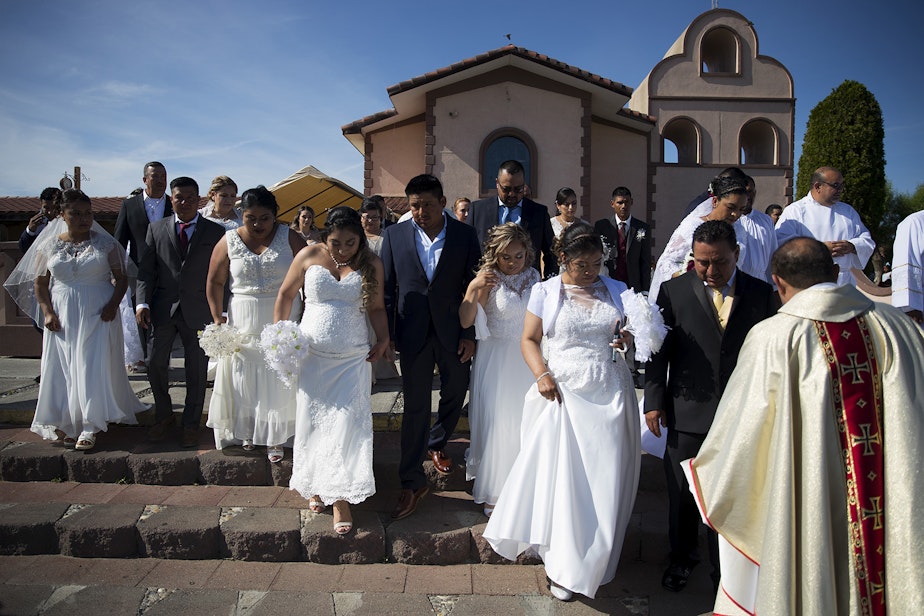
[{"x": 811, "y": 471}]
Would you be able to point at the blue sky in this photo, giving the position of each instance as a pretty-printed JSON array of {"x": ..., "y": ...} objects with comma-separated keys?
[{"x": 257, "y": 90}]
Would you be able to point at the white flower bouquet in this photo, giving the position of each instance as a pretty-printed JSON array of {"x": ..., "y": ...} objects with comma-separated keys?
[
  {"x": 284, "y": 346},
  {"x": 645, "y": 322},
  {"x": 220, "y": 340}
]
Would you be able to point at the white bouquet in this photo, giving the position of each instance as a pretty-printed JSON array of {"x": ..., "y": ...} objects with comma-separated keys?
[
  {"x": 284, "y": 346},
  {"x": 220, "y": 340},
  {"x": 645, "y": 323}
]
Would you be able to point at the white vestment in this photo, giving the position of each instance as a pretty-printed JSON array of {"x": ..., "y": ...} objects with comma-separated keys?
[
  {"x": 908, "y": 264},
  {"x": 808, "y": 218},
  {"x": 770, "y": 476},
  {"x": 757, "y": 234}
]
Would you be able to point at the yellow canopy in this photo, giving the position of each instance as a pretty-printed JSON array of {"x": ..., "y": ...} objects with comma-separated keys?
[{"x": 308, "y": 186}]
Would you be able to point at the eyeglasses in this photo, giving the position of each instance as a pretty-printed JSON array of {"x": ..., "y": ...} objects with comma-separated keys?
[
  {"x": 836, "y": 185},
  {"x": 511, "y": 189},
  {"x": 372, "y": 217}
]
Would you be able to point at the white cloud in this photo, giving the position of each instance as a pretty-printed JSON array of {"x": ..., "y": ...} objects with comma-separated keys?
[{"x": 114, "y": 93}]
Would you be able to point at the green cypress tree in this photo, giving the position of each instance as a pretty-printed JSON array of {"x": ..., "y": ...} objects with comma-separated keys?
[{"x": 845, "y": 131}]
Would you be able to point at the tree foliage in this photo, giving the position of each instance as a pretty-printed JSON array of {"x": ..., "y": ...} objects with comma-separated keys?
[
  {"x": 845, "y": 131},
  {"x": 898, "y": 207}
]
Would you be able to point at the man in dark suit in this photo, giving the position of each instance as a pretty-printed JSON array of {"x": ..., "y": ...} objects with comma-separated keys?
[
  {"x": 429, "y": 262},
  {"x": 629, "y": 259},
  {"x": 709, "y": 311},
  {"x": 511, "y": 205},
  {"x": 136, "y": 213},
  {"x": 171, "y": 297}
]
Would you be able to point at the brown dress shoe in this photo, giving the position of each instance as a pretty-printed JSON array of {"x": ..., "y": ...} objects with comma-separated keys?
[
  {"x": 441, "y": 462},
  {"x": 159, "y": 430},
  {"x": 407, "y": 502},
  {"x": 190, "y": 437}
]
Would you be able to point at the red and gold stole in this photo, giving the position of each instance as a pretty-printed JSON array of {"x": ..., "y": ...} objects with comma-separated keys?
[{"x": 848, "y": 349}]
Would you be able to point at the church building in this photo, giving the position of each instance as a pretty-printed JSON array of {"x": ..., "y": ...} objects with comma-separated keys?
[{"x": 712, "y": 102}]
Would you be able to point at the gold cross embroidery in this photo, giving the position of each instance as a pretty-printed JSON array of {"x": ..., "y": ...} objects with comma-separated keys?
[
  {"x": 875, "y": 512},
  {"x": 854, "y": 369},
  {"x": 866, "y": 439},
  {"x": 879, "y": 589}
]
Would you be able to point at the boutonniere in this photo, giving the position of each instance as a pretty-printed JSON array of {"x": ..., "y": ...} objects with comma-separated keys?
[{"x": 640, "y": 235}]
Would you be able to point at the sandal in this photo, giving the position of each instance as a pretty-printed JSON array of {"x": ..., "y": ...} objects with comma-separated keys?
[
  {"x": 69, "y": 442},
  {"x": 315, "y": 505},
  {"x": 488, "y": 510},
  {"x": 86, "y": 441},
  {"x": 345, "y": 526},
  {"x": 248, "y": 445},
  {"x": 275, "y": 454}
]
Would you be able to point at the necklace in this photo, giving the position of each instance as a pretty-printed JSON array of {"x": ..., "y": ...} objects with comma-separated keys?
[{"x": 338, "y": 263}]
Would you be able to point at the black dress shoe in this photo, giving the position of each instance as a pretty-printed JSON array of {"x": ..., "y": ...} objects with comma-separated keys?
[
  {"x": 675, "y": 578},
  {"x": 159, "y": 430}
]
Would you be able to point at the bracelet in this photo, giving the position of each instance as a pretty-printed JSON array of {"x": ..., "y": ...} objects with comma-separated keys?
[{"x": 544, "y": 374}]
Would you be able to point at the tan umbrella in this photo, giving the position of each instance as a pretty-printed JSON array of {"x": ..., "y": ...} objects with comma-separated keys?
[{"x": 308, "y": 186}]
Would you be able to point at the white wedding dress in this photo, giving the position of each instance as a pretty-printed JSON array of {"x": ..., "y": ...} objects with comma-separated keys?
[
  {"x": 500, "y": 379},
  {"x": 248, "y": 399},
  {"x": 83, "y": 385},
  {"x": 571, "y": 491},
  {"x": 332, "y": 456}
]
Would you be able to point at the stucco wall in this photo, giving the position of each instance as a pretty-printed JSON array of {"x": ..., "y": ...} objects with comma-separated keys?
[
  {"x": 552, "y": 120},
  {"x": 617, "y": 159},
  {"x": 676, "y": 185},
  {"x": 398, "y": 155},
  {"x": 682, "y": 76},
  {"x": 720, "y": 125}
]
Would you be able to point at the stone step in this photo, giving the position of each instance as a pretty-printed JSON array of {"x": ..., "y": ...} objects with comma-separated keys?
[
  {"x": 19, "y": 392},
  {"x": 266, "y": 524},
  {"x": 122, "y": 455}
]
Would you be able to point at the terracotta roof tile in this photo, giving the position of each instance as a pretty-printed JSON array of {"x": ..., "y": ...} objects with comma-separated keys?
[{"x": 30, "y": 205}]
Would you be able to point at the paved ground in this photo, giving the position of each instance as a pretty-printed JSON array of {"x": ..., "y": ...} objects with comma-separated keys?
[{"x": 55, "y": 583}]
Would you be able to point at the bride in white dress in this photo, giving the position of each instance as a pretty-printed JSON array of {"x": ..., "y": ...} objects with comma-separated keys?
[
  {"x": 79, "y": 278},
  {"x": 343, "y": 283},
  {"x": 495, "y": 302},
  {"x": 730, "y": 196},
  {"x": 571, "y": 491},
  {"x": 250, "y": 405}
]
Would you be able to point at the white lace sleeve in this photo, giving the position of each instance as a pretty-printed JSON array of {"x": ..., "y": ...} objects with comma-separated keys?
[{"x": 674, "y": 257}]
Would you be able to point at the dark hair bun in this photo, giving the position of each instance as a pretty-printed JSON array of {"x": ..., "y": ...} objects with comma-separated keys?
[{"x": 342, "y": 216}]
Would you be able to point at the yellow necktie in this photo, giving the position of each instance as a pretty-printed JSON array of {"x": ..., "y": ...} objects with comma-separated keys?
[{"x": 718, "y": 301}]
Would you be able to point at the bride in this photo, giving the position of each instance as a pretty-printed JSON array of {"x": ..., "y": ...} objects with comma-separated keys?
[
  {"x": 249, "y": 404},
  {"x": 572, "y": 488},
  {"x": 343, "y": 282},
  {"x": 79, "y": 278}
]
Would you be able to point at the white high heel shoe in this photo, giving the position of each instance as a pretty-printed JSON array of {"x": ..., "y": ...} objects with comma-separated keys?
[{"x": 559, "y": 592}]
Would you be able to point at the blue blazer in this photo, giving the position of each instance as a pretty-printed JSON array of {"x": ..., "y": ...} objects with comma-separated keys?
[{"x": 412, "y": 302}]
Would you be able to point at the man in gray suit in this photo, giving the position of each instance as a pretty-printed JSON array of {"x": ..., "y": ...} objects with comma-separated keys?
[{"x": 171, "y": 298}]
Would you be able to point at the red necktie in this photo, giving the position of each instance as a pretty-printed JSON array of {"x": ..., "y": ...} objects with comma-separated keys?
[
  {"x": 183, "y": 238},
  {"x": 622, "y": 270}
]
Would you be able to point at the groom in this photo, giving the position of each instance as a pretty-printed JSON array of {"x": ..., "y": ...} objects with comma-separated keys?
[
  {"x": 429, "y": 262},
  {"x": 171, "y": 298}
]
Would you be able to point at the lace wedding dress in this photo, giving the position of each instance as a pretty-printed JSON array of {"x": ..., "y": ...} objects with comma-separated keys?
[
  {"x": 571, "y": 491},
  {"x": 500, "y": 380},
  {"x": 83, "y": 385},
  {"x": 332, "y": 456},
  {"x": 248, "y": 399}
]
